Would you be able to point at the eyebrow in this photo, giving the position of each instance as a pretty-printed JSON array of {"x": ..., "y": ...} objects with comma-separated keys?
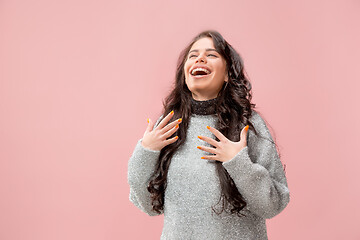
[{"x": 208, "y": 49}]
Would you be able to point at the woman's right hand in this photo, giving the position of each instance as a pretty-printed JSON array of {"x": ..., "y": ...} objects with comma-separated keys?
[{"x": 156, "y": 139}]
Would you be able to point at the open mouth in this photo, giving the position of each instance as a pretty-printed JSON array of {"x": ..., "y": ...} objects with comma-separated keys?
[{"x": 199, "y": 72}]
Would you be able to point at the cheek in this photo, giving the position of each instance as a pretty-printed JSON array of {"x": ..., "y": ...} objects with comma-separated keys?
[
  {"x": 221, "y": 71},
  {"x": 186, "y": 69}
]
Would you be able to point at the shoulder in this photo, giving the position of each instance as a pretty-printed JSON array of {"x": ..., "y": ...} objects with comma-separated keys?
[
  {"x": 260, "y": 125},
  {"x": 256, "y": 118},
  {"x": 261, "y": 146}
]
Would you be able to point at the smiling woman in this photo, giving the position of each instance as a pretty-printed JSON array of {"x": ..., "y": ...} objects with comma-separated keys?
[
  {"x": 223, "y": 150},
  {"x": 205, "y": 70}
]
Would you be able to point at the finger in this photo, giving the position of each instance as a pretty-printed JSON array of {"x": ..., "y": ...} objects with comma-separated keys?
[
  {"x": 165, "y": 120},
  {"x": 210, "y": 141},
  {"x": 171, "y": 140},
  {"x": 243, "y": 133},
  {"x": 207, "y": 149},
  {"x": 210, "y": 157},
  {"x": 170, "y": 132},
  {"x": 171, "y": 125},
  {"x": 150, "y": 125},
  {"x": 217, "y": 133}
]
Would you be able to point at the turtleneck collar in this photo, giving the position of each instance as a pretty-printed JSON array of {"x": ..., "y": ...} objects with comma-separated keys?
[{"x": 206, "y": 107}]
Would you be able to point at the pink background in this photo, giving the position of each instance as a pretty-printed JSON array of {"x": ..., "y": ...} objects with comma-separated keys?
[{"x": 79, "y": 78}]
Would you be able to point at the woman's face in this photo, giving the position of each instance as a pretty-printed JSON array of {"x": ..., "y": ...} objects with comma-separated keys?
[{"x": 203, "y": 54}]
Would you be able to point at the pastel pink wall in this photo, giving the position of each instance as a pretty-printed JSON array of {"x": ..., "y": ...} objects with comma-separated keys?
[{"x": 79, "y": 78}]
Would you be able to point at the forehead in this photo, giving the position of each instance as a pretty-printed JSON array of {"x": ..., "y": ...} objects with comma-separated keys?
[{"x": 203, "y": 44}]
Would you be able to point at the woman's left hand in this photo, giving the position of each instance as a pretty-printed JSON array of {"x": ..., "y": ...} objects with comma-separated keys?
[{"x": 226, "y": 149}]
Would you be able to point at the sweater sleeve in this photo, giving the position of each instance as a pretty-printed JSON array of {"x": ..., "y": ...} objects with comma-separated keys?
[
  {"x": 141, "y": 165},
  {"x": 258, "y": 173}
]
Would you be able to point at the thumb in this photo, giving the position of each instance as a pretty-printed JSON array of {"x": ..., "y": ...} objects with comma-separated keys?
[{"x": 243, "y": 133}]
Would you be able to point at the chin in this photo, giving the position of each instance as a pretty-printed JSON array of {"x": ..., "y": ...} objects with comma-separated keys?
[{"x": 197, "y": 87}]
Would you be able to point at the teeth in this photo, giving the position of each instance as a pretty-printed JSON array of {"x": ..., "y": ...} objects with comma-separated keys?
[{"x": 200, "y": 69}]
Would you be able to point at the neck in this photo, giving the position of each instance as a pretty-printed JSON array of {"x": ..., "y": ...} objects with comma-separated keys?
[
  {"x": 202, "y": 97},
  {"x": 204, "y": 107}
]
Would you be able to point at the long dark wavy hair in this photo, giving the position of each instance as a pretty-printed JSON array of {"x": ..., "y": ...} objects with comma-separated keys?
[{"x": 233, "y": 110}]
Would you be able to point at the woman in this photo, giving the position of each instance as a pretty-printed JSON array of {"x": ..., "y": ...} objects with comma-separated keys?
[{"x": 209, "y": 145}]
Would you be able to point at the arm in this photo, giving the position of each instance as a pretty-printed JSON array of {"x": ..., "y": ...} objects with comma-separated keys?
[
  {"x": 140, "y": 168},
  {"x": 258, "y": 173}
]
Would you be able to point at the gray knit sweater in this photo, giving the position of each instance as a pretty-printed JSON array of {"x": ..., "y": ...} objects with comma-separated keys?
[{"x": 193, "y": 186}]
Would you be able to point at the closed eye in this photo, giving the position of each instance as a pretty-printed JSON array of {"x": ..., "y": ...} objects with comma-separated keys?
[{"x": 208, "y": 55}]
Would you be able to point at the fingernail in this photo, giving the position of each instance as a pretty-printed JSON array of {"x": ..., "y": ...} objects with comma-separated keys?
[
  {"x": 172, "y": 112},
  {"x": 199, "y": 137},
  {"x": 177, "y": 125},
  {"x": 179, "y": 120},
  {"x": 176, "y": 137},
  {"x": 198, "y": 147},
  {"x": 147, "y": 120},
  {"x": 247, "y": 127},
  {"x": 208, "y": 127},
  {"x": 202, "y": 158}
]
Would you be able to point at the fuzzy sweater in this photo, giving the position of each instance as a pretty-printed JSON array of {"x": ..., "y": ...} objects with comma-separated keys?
[{"x": 193, "y": 186}]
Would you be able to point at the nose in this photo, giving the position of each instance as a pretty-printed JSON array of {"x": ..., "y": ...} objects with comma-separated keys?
[{"x": 200, "y": 58}]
